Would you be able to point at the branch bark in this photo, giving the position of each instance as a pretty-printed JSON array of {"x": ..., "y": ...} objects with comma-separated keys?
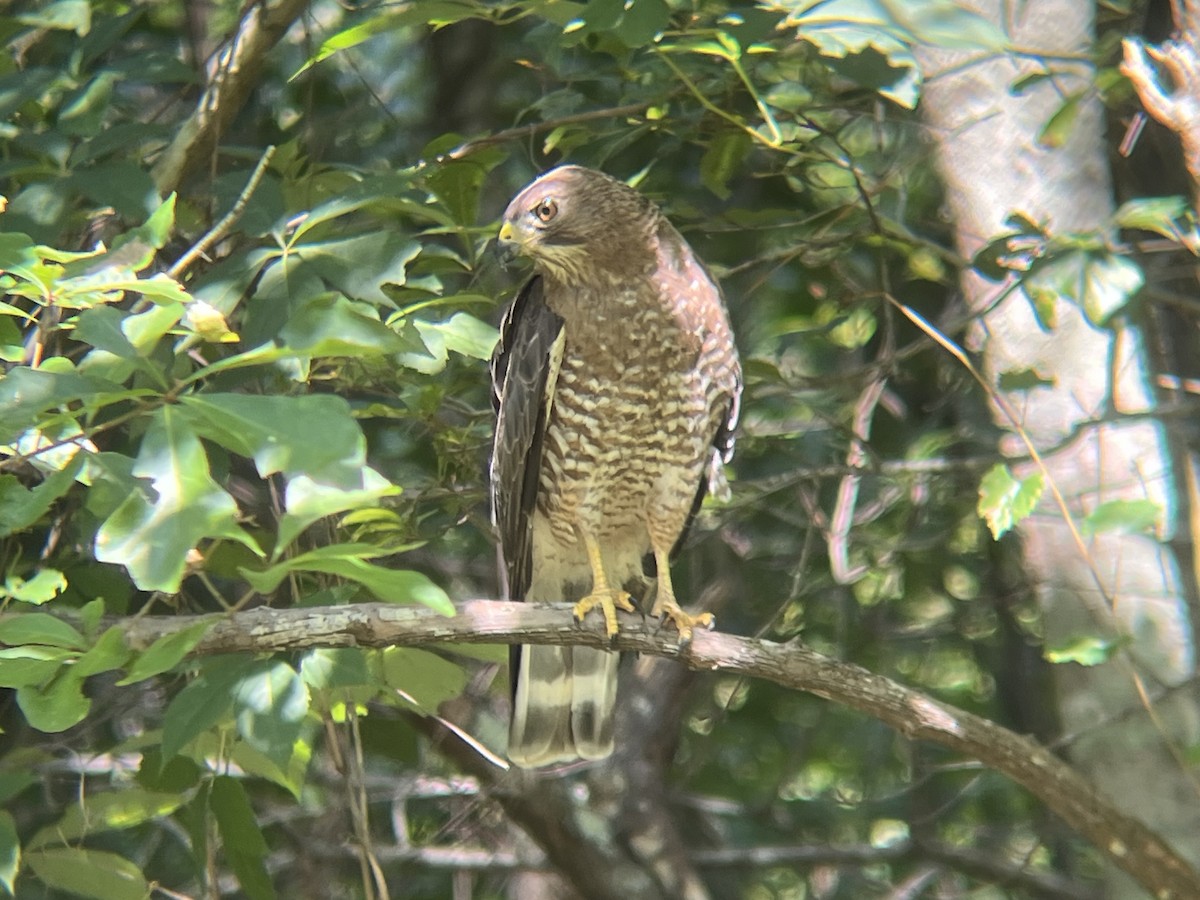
[
  {"x": 1175, "y": 100},
  {"x": 1127, "y": 842},
  {"x": 233, "y": 73}
]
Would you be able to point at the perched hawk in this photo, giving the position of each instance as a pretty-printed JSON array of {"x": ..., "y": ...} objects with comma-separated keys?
[{"x": 617, "y": 386}]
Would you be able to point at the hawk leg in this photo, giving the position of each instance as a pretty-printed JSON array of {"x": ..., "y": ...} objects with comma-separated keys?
[
  {"x": 665, "y": 603},
  {"x": 608, "y": 599}
]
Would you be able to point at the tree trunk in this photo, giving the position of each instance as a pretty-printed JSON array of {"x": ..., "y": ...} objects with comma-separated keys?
[{"x": 1122, "y": 585}]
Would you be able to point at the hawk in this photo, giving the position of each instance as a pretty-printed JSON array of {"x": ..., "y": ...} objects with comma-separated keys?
[{"x": 616, "y": 385}]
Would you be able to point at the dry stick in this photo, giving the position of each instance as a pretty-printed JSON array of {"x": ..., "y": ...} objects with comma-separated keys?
[
  {"x": 1130, "y": 845},
  {"x": 227, "y": 222}
]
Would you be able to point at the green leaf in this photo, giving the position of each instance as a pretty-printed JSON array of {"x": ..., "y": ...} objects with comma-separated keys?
[
  {"x": 333, "y": 326},
  {"x": 95, "y": 874},
  {"x": 1023, "y": 380},
  {"x": 54, "y": 706},
  {"x": 1110, "y": 281},
  {"x": 40, "y": 628},
  {"x": 21, "y": 507},
  {"x": 1123, "y": 517},
  {"x": 1100, "y": 283},
  {"x": 277, "y": 433},
  {"x": 349, "y": 561},
  {"x": 151, "y": 533},
  {"x": 25, "y": 394},
  {"x": 722, "y": 160},
  {"x": 61, "y": 15},
  {"x": 1162, "y": 215},
  {"x": 30, "y": 664},
  {"x": 112, "y": 811},
  {"x": 101, "y": 327},
  {"x": 1088, "y": 650},
  {"x": 426, "y": 678},
  {"x": 41, "y": 588},
  {"x": 108, "y": 653},
  {"x": 10, "y": 852},
  {"x": 346, "y": 39},
  {"x": 855, "y": 329},
  {"x": 203, "y": 703},
  {"x": 327, "y": 668},
  {"x": 166, "y": 652},
  {"x": 90, "y": 614},
  {"x": 359, "y": 266},
  {"x": 270, "y": 704},
  {"x": 307, "y": 500},
  {"x": 1004, "y": 500},
  {"x": 1058, "y": 129},
  {"x": 461, "y": 333},
  {"x": 244, "y": 845}
]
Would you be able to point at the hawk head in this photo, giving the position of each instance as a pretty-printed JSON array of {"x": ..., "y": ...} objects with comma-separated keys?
[{"x": 578, "y": 225}]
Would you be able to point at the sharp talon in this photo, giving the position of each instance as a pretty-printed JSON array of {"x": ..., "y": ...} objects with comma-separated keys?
[
  {"x": 684, "y": 622},
  {"x": 609, "y": 601}
]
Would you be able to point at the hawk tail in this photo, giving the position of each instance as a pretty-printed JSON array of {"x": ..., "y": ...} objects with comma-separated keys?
[{"x": 563, "y": 703}]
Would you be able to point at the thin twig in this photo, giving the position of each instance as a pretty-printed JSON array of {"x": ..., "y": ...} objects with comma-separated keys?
[
  {"x": 522, "y": 132},
  {"x": 218, "y": 231}
]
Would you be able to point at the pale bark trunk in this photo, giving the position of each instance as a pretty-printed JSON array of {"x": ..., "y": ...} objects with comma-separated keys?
[{"x": 992, "y": 165}]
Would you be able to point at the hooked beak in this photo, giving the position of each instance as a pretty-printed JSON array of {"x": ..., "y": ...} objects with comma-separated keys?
[{"x": 507, "y": 246}]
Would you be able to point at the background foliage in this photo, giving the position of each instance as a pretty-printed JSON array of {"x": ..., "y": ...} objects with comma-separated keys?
[{"x": 298, "y": 415}]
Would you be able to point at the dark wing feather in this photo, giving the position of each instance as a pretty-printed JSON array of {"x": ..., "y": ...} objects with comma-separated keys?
[{"x": 524, "y": 371}]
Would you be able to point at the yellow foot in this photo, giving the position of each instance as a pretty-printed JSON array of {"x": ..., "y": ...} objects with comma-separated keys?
[
  {"x": 609, "y": 602},
  {"x": 685, "y": 622}
]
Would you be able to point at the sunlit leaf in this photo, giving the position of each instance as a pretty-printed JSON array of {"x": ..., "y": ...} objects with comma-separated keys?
[
  {"x": 95, "y": 874},
  {"x": 269, "y": 704},
  {"x": 346, "y": 39},
  {"x": 152, "y": 532},
  {"x": 1123, "y": 517},
  {"x": 111, "y": 811},
  {"x": 1004, "y": 500},
  {"x": 461, "y": 333},
  {"x": 1100, "y": 283},
  {"x": 43, "y": 587},
  {"x": 278, "y": 433},
  {"x": 64, "y": 15},
  {"x": 307, "y": 500},
  {"x": 1088, "y": 650},
  {"x": 327, "y": 668},
  {"x": 203, "y": 703},
  {"x": 350, "y": 561}
]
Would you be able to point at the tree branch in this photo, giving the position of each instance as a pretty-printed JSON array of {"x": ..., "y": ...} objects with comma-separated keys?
[
  {"x": 1127, "y": 842},
  {"x": 232, "y": 75},
  {"x": 1174, "y": 100}
]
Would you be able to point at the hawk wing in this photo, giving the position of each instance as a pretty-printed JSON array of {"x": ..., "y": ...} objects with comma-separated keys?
[{"x": 524, "y": 374}]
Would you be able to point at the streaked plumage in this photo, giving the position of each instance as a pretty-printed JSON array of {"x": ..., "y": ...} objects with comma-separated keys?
[{"x": 617, "y": 386}]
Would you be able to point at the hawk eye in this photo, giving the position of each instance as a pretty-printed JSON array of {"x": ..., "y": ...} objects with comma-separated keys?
[{"x": 546, "y": 210}]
